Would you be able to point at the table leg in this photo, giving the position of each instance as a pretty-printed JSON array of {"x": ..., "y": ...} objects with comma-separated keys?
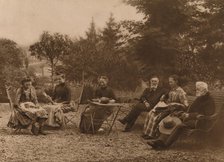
[{"x": 113, "y": 121}]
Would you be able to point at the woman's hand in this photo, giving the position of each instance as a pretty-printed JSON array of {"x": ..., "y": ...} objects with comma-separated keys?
[
  {"x": 162, "y": 98},
  {"x": 147, "y": 104}
]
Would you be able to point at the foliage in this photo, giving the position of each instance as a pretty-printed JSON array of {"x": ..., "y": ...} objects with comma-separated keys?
[
  {"x": 81, "y": 62},
  {"x": 11, "y": 57},
  {"x": 52, "y": 47},
  {"x": 101, "y": 53},
  {"x": 180, "y": 36}
]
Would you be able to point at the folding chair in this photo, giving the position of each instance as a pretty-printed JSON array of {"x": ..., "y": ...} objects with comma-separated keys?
[{"x": 82, "y": 99}]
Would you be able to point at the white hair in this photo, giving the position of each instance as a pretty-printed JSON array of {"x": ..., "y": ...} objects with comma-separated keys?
[{"x": 202, "y": 88}]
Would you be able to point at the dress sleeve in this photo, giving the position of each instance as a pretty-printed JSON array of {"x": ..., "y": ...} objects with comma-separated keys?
[
  {"x": 35, "y": 96},
  {"x": 183, "y": 98}
]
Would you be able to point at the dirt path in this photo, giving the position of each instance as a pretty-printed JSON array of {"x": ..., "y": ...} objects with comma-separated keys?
[{"x": 70, "y": 145}]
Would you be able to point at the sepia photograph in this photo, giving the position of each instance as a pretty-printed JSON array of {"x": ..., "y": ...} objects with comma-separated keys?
[{"x": 112, "y": 80}]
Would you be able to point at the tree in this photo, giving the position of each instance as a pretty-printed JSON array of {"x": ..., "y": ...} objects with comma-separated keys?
[
  {"x": 114, "y": 60},
  {"x": 11, "y": 67},
  {"x": 80, "y": 64},
  {"x": 101, "y": 53},
  {"x": 213, "y": 52},
  {"x": 173, "y": 37},
  {"x": 52, "y": 47},
  {"x": 11, "y": 57}
]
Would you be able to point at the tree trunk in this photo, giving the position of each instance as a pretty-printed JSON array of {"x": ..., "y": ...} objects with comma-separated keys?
[
  {"x": 83, "y": 77},
  {"x": 52, "y": 75}
]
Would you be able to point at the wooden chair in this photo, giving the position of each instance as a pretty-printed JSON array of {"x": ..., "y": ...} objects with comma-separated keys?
[
  {"x": 70, "y": 116},
  {"x": 11, "y": 94}
]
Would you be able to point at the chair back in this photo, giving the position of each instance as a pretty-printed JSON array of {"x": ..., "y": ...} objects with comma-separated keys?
[
  {"x": 11, "y": 95},
  {"x": 218, "y": 97}
]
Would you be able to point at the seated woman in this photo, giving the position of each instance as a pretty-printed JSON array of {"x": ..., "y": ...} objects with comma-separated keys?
[
  {"x": 61, "y": 103},
  {"x": 174, "y": 100},
  {"x": 195, "y": 117},
  {"x": 93, "y": 118},
  {"x": 27, "y": 111},
  {"x": 62, "y": 94}
]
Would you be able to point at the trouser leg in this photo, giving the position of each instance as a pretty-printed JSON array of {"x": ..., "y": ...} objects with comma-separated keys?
[
  {"x": 174, "y": 136},
  {"x": 134, "y": 113}
]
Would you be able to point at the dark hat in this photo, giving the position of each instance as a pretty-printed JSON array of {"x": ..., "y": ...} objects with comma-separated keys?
[
  {"x": 104, "y": 100},
  {"x": 168, "y": 124},
  {"x": 26, "y": 80}
]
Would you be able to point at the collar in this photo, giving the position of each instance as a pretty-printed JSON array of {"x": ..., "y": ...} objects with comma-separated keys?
[
  {"x": 175, "y": 89},
  {"x": 61, "y": 84},
  {"x": 153, "y": 88}
]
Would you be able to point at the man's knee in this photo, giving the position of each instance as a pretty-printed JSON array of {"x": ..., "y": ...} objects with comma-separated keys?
[{"x": 140, "y": 107}]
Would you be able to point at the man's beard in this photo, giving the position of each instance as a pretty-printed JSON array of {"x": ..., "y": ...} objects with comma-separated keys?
[{"x": 154, "y": 86}]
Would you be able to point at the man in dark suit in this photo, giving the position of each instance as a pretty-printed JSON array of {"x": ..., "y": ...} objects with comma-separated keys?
[{"x": 148, "y": 100}]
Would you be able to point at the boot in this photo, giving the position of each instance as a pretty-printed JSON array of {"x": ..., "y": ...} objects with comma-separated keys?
[
  {"x": 127, "y": 128},
  {"x": 41, "y": 131},
  {"x": 35, "y": 129},
  {"x": 122, "y": 121}
]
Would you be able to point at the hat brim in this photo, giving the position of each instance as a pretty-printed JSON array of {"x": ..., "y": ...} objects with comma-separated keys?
[{"x": 166, "y": 131}]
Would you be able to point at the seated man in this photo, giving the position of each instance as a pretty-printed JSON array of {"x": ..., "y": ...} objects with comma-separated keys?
[
  {"x": 195, "y": 117},
  {"x": 93, "y": 118},
  {"x": 27, "y": 111},
  {"x": 148, "y": 100}
]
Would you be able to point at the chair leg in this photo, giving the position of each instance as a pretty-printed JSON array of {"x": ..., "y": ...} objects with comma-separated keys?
[
  {"x": 17, "y": 130},
  {"x": 91, "y": 118},
  {"x": 66, "y": 120}
]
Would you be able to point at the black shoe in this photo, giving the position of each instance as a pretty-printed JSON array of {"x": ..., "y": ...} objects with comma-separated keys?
[
  {"x": 42, "y": 132},
  {"x": 156, "y": 144},
  {"x": 127, "y": 128},
  {"x": 122, "y": 121},
  {"x": 147, "y": 137}
]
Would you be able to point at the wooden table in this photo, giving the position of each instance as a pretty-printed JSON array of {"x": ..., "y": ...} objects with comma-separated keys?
[{"x": 109, "y": 105}]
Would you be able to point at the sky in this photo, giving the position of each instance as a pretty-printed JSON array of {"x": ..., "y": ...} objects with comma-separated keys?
[{"x": 24, "y": 20}]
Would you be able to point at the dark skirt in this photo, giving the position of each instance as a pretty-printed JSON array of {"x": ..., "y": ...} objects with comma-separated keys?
[{"x": 93, "y": 118}]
